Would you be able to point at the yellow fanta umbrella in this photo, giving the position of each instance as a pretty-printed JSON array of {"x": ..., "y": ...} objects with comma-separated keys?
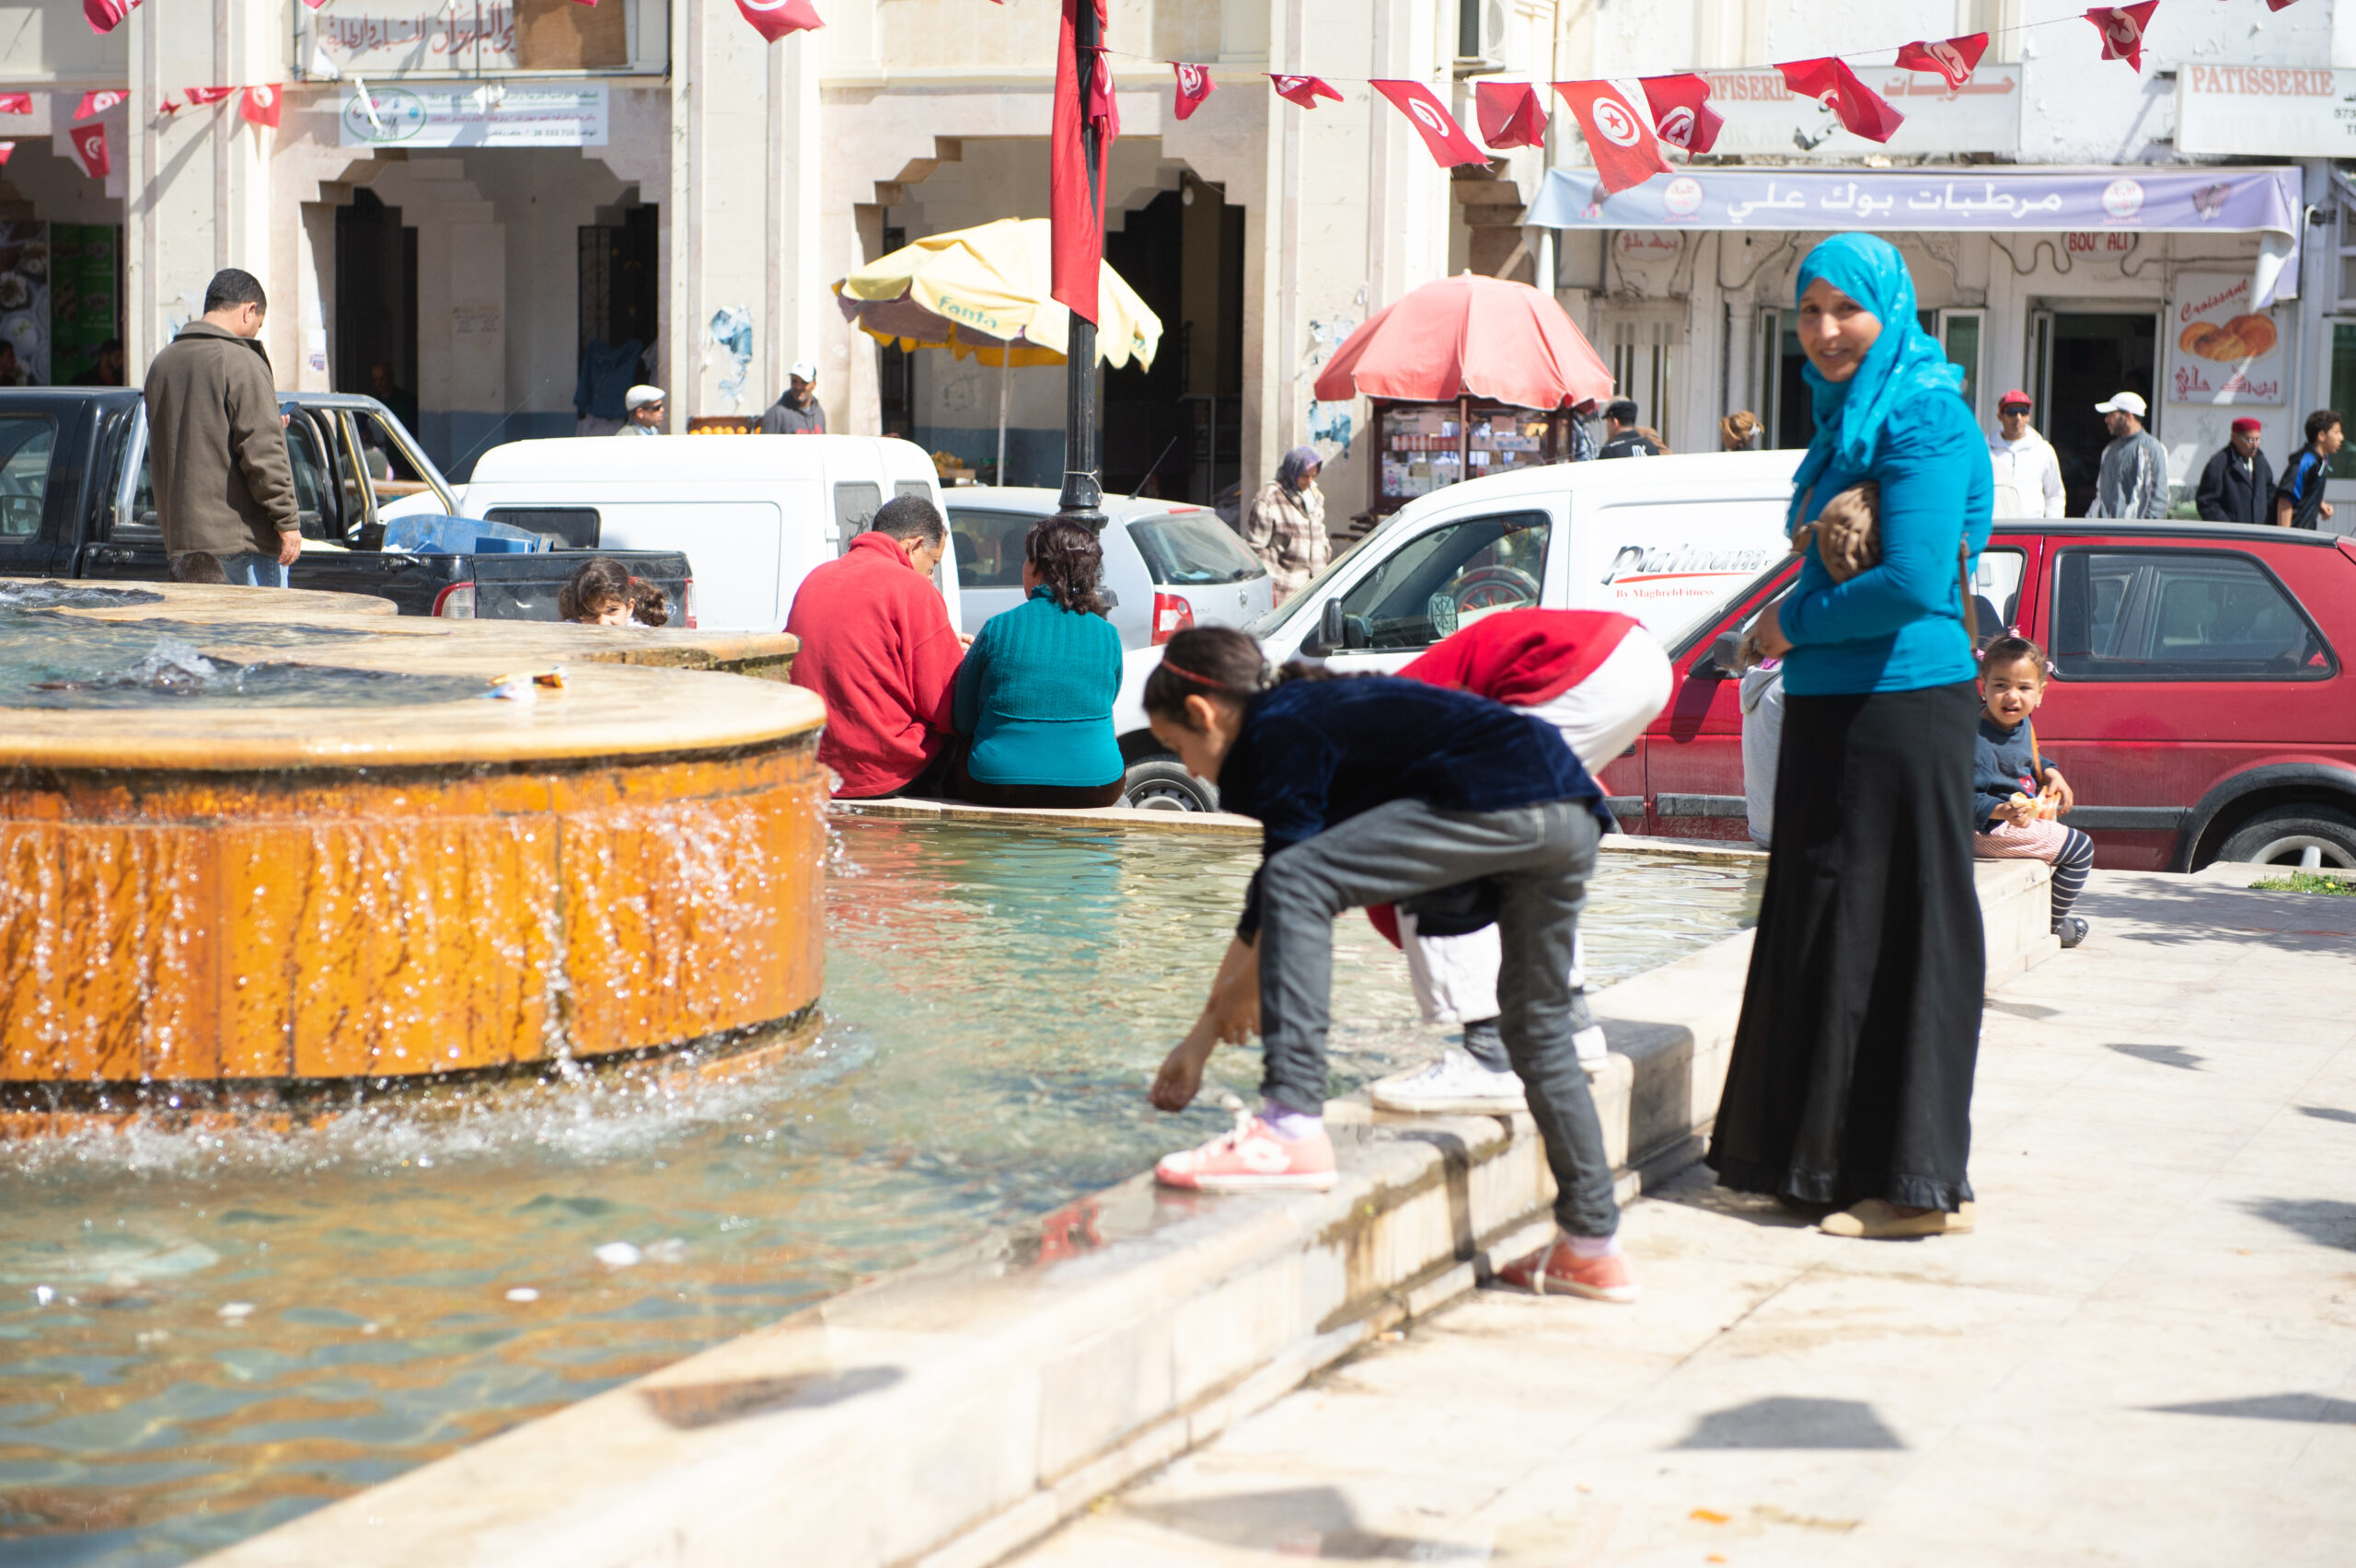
[{"x": 981, "y": 293}]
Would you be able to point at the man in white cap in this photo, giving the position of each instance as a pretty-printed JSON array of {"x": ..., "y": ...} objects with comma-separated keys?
[
  {"x": 641, "y": 411},
  {"x": 2134, "y": 478},
  {"x": 797, "y": 410}
]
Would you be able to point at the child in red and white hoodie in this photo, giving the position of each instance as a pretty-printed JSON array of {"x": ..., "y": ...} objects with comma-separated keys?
[{"x": 1599, "y": 678}]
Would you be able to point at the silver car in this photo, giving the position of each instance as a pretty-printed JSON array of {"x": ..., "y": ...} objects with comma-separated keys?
[{"x": 1167, "y": 565}]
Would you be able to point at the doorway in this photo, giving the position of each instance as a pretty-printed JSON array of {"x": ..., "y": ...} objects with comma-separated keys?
[
  {"x": 1184, "y": 254},
  {"x": 375, "y": 303},
  {"x": 2082, "y": 359}
]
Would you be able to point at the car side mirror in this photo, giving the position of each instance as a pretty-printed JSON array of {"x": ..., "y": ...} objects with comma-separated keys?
[
  {"x": 1332, "y": 625},
  {"x": 1725, "y": 662}
]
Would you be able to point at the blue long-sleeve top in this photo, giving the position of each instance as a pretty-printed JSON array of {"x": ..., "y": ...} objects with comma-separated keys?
[
  {"x": 1036, "y": 692},
  {"x": 1899, "y": 626},
  {"x": 2005, "y": 763},
  {"x": 1312, "y": 754}
]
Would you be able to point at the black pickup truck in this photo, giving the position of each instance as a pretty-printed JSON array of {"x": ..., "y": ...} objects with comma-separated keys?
[{"x": 76, "y": 503}]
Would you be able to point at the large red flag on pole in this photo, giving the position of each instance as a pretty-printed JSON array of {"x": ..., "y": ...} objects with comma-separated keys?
[{"x": 1075, "y": 179}]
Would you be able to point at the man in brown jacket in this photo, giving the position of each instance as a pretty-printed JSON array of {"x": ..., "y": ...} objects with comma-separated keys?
[{"x": 224, "y": 487}]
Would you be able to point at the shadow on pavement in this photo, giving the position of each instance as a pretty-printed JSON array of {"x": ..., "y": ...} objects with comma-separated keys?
[{"x": 1788, "y": 1422}]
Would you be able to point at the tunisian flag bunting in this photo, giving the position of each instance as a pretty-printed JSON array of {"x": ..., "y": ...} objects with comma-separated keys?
[
  {"x": 1195, "y": 85},
  {"x": 1954, "y": 58},
  {"x": 1625, "y": 151},
  {"x": 90, "y": 149},
  {"x": 105, "y": 16},
  {"x": 1448, "y": 143},
  {"x": 1302, "y": 91},
  {"x": 1682, "y": 113},
  {"x": 7, "y": 151},
  {"x": 261, "y": 107},
  {"x": 16, "y": 103},
  {"x": 1077, "y": 208},
  {"x": 207, "y": 95},
  {"x": 1830, "y": 83},
  {"x": 773, "y": 20},
  {"x": 2122, "y": 29},
  {"x": 1510, "y": 114},
  {"x": 99, "y": 103}
]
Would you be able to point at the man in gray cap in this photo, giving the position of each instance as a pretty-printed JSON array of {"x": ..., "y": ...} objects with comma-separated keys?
[
  {"x": 641, "y": 411},
  {"x": 2134, "y": 478},
  {"x": 797, "y": 410}
]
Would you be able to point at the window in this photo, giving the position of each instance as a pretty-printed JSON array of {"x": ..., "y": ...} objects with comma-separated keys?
[
  {"x": 2179, "y": 615},
  {"x": 571, "y": 527},
  {"x": 1960, "y": 332},
  {"x": 912, "y": 487},
  {"x": 1447, "y": 578},
  {"x": 395, "y": 470},
  {"x": 26, "y": 444},
  {"x": 855, "y": 508},
  {"x": 314, "y": 477},
  {"x": 1996, "y": 593},
  {"x": 2343, "y": 397},
  {"x": 1191, "y": 548},
  {"x": 989, "y": 545}
]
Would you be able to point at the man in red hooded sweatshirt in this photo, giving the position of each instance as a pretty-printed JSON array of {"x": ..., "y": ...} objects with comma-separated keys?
[{"x": 878, "y": 649}]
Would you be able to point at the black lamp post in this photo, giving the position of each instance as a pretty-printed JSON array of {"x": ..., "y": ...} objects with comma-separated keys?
[{"x": 1082, "y": 496}]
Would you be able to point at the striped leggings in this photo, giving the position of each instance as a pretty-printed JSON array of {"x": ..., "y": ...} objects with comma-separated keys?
[{"x": 2068, "y": 852}]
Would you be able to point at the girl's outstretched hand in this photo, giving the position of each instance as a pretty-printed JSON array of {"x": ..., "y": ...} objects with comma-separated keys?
[{"x": 1180, "y": 1076}]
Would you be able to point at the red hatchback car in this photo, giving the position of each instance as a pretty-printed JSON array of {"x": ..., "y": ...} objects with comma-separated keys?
[{"x": 2200, "y": 702}]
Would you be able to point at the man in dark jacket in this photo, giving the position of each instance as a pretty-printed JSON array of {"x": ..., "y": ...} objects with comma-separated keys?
[
  {"x": 1623, "y": 437},
  {"x": 797, "y": 410},
  {"x": 2300, "y": 503},
  {"x": 223, "y": 486},
  {"x": 2238, "y": 484}
]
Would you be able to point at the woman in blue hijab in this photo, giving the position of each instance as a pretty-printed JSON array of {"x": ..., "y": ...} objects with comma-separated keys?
[{"x": 1848, "y": 1093}]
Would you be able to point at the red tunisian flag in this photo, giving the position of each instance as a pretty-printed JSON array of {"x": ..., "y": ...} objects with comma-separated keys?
[
  {"x": 1075, "y": 204},
  {"x": 1302, "y": 91},
  {"x": 2122, "y": 29},
  {"x": 1830, "y": 81},
  {"x": 1510, "y": 114},
  {"x": 1625, "y": 151},
  {"x": 261, "y": 107},
  {"x": 90, "y": 149},
  {"x": 773, "y": 20},
  {"x": 1954, "y": 58},
  {"x": 1195, "y": 85},
  {"x": 1682, "y": 113},
  {"x": 7, "y": 151},
  {"x": 207, "y": 95},
  {"x": 1446, "y": 139},
  {"x": 99, "y": 103},
  {"x": 16, "y": 103},
  {"x": 105, "y": 16}
]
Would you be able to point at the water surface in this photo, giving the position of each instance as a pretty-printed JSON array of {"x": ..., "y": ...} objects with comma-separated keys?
[{"x": 204, "y": 1334}]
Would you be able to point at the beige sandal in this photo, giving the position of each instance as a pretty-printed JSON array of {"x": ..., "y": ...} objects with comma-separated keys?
[{"x": 1874, "y": 1220}]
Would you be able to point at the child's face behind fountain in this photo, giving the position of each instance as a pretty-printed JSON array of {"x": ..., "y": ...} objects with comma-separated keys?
[{"x": 2011, "y": 690}]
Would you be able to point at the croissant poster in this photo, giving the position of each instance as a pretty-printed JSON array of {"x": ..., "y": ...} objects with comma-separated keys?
[{"x": 2222, "y": 352}]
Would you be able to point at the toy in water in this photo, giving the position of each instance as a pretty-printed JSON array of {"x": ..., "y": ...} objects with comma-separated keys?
[{"x": 525, "y": 688}]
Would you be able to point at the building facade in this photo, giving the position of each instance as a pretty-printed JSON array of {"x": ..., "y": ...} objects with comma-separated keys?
[{"x": 494, "y": 212}]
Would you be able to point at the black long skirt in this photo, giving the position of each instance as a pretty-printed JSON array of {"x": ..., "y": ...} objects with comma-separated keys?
[{"x": 1850, "y": 1077}]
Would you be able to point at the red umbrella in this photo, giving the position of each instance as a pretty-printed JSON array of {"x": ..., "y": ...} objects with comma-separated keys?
[{"x": 1468, "y": 335}]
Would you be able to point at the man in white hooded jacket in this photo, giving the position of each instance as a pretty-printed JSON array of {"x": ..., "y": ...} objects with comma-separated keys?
[{"x": 2028, "y": 475}]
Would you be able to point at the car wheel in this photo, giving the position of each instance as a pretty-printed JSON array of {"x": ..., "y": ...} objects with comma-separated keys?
[
  {"x": 1162, "y": 784},
  {"x": 2294, "y": 835}
]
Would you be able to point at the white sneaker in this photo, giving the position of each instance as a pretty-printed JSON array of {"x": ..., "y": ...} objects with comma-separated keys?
[{"x": 1456, "y": 1084}]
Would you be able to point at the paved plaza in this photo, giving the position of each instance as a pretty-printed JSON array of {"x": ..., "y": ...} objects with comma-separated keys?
[{"x": 2145, "y": 1356}]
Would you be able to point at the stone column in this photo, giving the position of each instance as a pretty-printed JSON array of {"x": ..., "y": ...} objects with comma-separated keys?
[
  {"x": 797, "y": 282},
  {"x": 723, "y": 238}
]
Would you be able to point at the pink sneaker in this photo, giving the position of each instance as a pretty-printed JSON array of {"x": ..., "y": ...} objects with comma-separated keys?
[
  {"x": 1553, "y": 1271},
  {"x": 1252, "y": 1159}
]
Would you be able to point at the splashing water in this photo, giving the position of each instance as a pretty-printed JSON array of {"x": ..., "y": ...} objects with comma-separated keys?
[{"x": 405, "y": 1282}]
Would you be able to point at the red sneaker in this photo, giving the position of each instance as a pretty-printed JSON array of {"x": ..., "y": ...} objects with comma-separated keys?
[
  {"x": 1553, "y": 1271},
  {"x": 1252, "y": 1159}
]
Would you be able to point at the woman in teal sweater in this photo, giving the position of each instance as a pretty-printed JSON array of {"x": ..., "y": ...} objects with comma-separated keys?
[
  {"x": 1850, "y": 1084},
  {"x": 1035, "y": 692}
]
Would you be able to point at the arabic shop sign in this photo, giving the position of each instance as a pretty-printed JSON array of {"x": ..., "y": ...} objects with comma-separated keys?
[
  {"x": 492, "y": 115},
  {"x": 1765, "y": 118},
  {"x": 2221, "y": 351},
  {"x": 391, "y": 41},
  {"x": 2274, "y": 111}
]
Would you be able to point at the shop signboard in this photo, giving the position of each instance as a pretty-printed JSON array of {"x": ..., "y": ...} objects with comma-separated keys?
[
  {"x": 478, "y": 116},
  {"x": 379, "y": 40},
  {"x": 1765, "y": 118},
  {"x": 2270, "y": 110},
  {"x": 2221, "y": 353}
]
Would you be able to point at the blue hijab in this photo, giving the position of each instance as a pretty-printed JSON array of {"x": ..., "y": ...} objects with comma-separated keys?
[{"x": 1904, "y": 363}]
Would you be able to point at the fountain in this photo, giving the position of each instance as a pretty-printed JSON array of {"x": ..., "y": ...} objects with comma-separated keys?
[{"x": 300, "y": 856}]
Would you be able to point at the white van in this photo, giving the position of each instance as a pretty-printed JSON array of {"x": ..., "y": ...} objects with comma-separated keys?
[
  {"x": 753, "y": 512},
  {"x": 1664, "y": 539}
]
